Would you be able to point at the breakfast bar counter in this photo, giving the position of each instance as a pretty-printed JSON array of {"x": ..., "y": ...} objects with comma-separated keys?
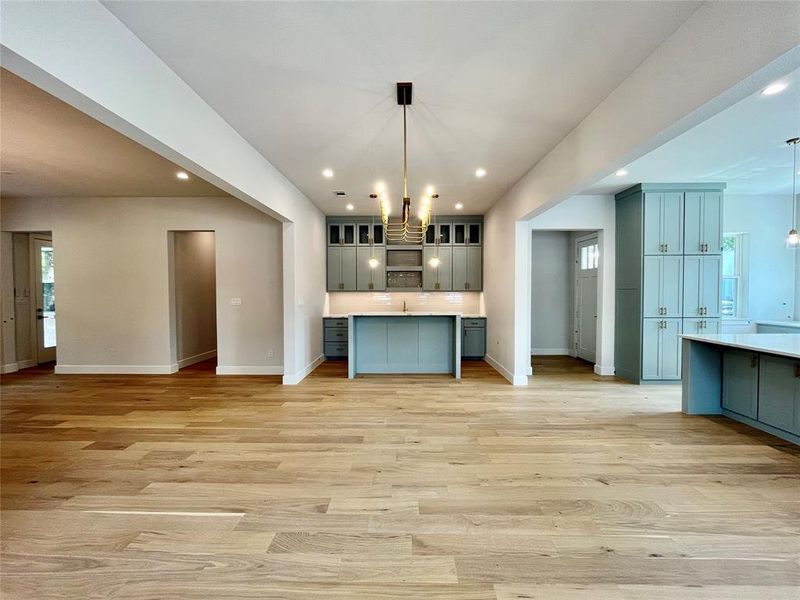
[
  {"x": 753, "y": 378},
  {"x": 404, "y": 342}
]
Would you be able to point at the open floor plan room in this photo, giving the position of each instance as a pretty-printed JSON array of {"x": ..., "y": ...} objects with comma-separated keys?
[
  {"x": 388, "y": 488},
  {"x": 487, "y": 300}
]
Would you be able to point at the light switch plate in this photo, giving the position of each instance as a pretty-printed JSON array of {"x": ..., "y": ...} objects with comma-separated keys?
[{"x": 236, "y": 301}]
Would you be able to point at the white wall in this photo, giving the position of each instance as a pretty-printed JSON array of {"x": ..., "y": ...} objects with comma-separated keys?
[
  {"x": 82, "y": 54},
  {"x": 195, "y": 290},
  {"x": 766, "y": 219},
  {"x": 552, "y": 289},
  {"x": 717, "y": 57},
  {"x": 467, "y": 303},
  {"x": 112, "y": 279},
  {"x": 591, "y": 213}
]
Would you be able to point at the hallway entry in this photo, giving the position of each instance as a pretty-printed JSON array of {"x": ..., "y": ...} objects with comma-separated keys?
[{"x": 193, "y": 288}]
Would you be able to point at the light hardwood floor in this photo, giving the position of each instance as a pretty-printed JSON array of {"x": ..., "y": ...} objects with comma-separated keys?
[{"x": 575, "y": 488}]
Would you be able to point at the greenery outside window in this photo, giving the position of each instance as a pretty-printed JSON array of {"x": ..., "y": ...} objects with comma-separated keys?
[{"x": 734, "y": 276}]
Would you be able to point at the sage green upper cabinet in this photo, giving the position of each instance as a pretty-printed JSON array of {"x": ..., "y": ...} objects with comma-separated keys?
[
  {"x": 369, "y": 234},
  {"x": 779, "y": 393},
  {"x": 437, "y": 279},
  {"x": 341, "y": 234},
  {"x": 440, "y": 233},
  {"x": 342, "y": 268},
  {"x": 663, "y": 223},
  {"x": 467, "y": 268},
  {"x": 701, "y": 286},
  {"x": 703, "y": 223},
  {"x": 740, "y": 381},
  {"x": 663, "y": 286},
  {"x": 369, "y": 278}
]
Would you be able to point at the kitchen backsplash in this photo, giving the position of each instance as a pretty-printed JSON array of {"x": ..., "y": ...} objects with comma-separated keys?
[{"x": 469, "y": 303}]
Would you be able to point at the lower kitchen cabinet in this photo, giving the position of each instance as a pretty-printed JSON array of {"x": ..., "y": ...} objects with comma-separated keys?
[
  {"x": 473, "y": 337},
  {"x": 779, "y": 393},
  {"x": 740, "y": 382},
  {"x": 661, "y": 349},
  {"x": 334, "y": 337}
]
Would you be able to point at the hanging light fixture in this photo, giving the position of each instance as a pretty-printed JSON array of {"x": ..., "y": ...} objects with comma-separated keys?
[
  {"x": 793, "y": 238},
  {"x": 404, "y": 231}
]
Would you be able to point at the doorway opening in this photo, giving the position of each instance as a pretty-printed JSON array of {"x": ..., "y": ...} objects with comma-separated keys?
[
  {"x": 29, "y": 314},
  {"x": 193, "y": 299},
  {"x": 586, "y": 263},
  {"x": 564, "y": 295}
]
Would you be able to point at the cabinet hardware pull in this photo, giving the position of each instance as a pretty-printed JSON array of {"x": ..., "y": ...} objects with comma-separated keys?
[
  {"x": 797, "y": 371},
  {"x": 754, "y": 361},
  {"x": 666, "y": 247}
]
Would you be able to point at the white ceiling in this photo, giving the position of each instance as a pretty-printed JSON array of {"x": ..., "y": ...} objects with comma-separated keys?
[
  {"x": 50, "y": 149},
  {"x": 743, "y": 146},
  {"x": 311, "y": 85}
]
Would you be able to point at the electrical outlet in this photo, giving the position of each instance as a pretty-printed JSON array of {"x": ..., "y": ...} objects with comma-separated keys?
[
  {"x": 236, "y": 301},
  {"x": 270, "y": 353},
  {"x": 112, "y": 352}
]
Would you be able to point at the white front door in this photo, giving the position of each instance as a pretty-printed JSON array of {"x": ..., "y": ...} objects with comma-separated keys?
[
  {"x": 587, "y": 260},
  {"x": 44, "y": 273}
]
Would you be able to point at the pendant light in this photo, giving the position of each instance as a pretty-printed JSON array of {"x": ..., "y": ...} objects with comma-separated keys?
[
  {"x": 793, "y": 238},
  {"x": 405, "y": 231}
]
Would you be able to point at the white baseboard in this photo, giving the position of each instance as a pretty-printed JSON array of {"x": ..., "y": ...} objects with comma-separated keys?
[
  {"x": 300, "y": 375},
  {"x": 114, "y": 369},
  {"x": 513, "y": 379},
  {"x": 552, "y": 351},
  {"x": 250, "y": 370},
  {"x": 191, "y": 360},
  {"x": 26, "y": 364},
  {"x": 9, "y": 368},
  {"x": 604, "y": 370}
]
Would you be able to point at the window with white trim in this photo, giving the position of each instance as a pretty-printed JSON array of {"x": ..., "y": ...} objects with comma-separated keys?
[
  {"x": 590, "y": 257},
  {"x": 734, "y": 276}
]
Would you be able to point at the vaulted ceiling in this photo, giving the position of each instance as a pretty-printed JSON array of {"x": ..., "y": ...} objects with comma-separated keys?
[{"x": 311, "y": 85}]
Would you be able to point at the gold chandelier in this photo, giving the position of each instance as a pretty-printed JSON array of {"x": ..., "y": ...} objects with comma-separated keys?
[{"x": 404, "y": 231}]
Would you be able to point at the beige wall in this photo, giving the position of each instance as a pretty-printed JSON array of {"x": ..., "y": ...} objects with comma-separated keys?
[
  {"x": 194, "y": 276},
  {"x": 112, "y": 279}
]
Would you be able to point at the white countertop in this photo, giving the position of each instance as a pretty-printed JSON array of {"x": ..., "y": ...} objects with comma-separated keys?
[
  {"x": 400, "y": 313},
  {"x": 782, "y": 344}
]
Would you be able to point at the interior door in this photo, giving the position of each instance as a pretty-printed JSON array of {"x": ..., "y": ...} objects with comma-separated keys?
[
  {"x": 587, "y": 262},
  {"x": 44, "y": 273}
]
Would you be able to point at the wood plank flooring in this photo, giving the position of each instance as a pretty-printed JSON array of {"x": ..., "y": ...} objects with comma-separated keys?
[{"x": 574, "y": 488}]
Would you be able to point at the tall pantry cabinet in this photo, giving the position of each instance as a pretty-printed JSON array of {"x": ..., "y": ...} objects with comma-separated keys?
[{"x": 668, "y": 274}]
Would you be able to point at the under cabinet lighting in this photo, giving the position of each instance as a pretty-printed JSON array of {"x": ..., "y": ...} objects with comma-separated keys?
[
  {"x": 621, "y": 173},
  {"x": 349, "y": 207},
  {"x": 480, "y": 172},
  {"x": 459, "y": 206},
  {"x": 327, "y": 173},
  {"x": 182, "y": 175}
]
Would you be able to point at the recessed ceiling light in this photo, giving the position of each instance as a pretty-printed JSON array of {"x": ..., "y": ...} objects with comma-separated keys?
[
  {"x": 480, "y": 172},
  {"x": 182, "y": 175},
  {"x": 459, "y": 206},
  {"x": 621, "y": 173},
  {"x": 774, "y": 88},
  {"x": 328, "y": 173},
  {"x": 349, "y": 207}
]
